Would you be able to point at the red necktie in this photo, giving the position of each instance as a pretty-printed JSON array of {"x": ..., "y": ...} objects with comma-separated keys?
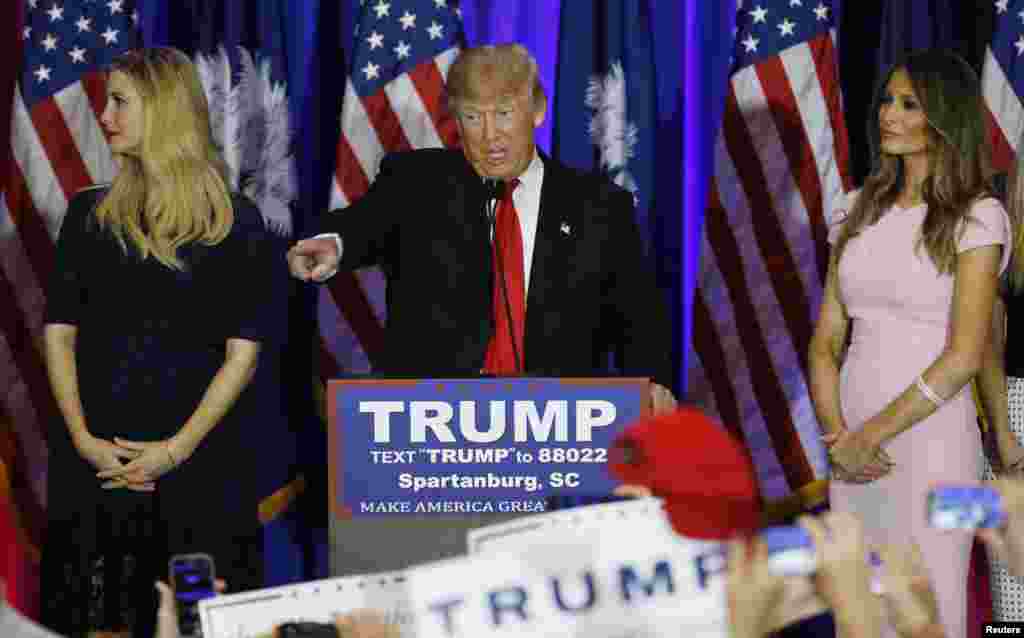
[{"x": 508, "y": 238}]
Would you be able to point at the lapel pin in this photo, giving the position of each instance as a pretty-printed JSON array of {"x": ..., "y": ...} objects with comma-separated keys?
[{"x": 565, "y": 229}]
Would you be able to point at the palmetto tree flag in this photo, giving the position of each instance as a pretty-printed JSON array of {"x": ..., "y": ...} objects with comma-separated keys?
[
  {"x": 606, "y": 71},
  {"x": 238, "y": 48}
]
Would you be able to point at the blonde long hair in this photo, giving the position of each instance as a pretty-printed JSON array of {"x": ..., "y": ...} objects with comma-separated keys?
[
  {"x": 174, "y": 190},
  {"x": 949, "y": 93}
]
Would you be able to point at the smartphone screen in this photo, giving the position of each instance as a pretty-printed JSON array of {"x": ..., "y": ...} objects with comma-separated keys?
[
  {"x": 964, "y": 507},
  {"x": 192, "y": 577}
]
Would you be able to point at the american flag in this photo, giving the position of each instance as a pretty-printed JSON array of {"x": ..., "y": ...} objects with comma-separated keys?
[
  {"x": 780, "y": 161},
  {"x": 56, "y": 148},
  {"x": 394, "y": 101},
  {"x": 1002, "y": 81}
]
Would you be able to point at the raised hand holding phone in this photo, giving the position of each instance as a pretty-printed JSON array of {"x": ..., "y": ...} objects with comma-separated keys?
[
  {"x": 192, "y": 577},
  {"x": 167, "y": 612},
  {"x": 1006, "y": 541}
]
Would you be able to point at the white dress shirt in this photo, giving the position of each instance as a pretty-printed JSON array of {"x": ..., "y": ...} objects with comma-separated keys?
[{"x": 527, "y": 201}]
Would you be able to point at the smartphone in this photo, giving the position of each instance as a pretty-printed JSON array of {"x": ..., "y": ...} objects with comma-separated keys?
[
  {"x": 192, "y": 577},
  {"x": 790, "y": 550},
  {"x": 307, "y": 630},
  {"x": 966, "y": 507},
  {"x": 791, "y": 553}
]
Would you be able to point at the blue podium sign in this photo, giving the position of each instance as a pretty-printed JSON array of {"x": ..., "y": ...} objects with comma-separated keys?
[{"x": 454, "y": 447}]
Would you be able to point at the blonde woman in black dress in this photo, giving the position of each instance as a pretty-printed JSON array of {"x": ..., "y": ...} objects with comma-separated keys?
[{"x": 154, "y": 325}]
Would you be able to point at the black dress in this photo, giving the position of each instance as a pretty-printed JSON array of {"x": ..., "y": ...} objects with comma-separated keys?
[{"x": 150, "y": 340}]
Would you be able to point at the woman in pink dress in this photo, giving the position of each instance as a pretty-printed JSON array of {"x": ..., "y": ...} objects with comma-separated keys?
[{"x": 916, "y": 256}]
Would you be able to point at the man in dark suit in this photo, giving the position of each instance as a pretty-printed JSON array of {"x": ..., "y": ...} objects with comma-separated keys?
[{"x": 564, "y": 284}]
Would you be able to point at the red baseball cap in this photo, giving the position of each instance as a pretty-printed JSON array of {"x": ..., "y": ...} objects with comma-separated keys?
[{"x": 702, "y": 472}]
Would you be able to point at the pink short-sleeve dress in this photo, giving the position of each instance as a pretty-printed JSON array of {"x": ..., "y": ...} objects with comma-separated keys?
[{"x": 900, "y": 311}]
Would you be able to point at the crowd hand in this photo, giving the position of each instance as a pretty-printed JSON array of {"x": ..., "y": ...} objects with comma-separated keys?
[
  {"x": 907, "y": 591},
  {"x": 800, "y": 601},
  {"x": 167, "y": 612},
  {"x": 662, "y": 399},
  {"x": 313, "y": 258},
  {"x": 630, "y": 490},
  {"x": 762, "y": 603},
  {"x": 1007, "y": 542},
  {"x": 752, "y": 591},
  {"x": 365, "y": 623},
  {"x": 152, "y": 460},
  {"x": 848, "y": 449},
  {"x": 843, "y": 577}
]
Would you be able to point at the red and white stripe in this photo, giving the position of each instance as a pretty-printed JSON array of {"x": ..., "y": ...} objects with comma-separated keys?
[
  {"x": 409, "y": 113},
  {"x": 1005, "y": 112},
  {"x": 780, "y": 159},
  {"x": 54, "y": 150}
]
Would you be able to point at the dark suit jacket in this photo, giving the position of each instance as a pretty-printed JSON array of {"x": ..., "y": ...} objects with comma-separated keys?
[{"x": 590, "y": 290}]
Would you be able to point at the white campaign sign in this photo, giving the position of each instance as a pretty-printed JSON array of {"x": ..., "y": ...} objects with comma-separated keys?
[
  {"x": 569, "y": 525},
  {"x": 571, "y": 529},
  {"x": 602, "y": 571},
  {"x": 250, "y": 614}
]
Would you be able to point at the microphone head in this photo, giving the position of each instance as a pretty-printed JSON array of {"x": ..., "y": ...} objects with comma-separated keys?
[{"x": 494, "y": 187}]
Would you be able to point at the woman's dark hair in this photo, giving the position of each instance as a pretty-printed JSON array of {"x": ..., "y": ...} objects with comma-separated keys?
[{"x": 949, "y": 94}]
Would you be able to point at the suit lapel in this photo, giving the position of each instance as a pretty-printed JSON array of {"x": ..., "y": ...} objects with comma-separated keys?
[
  {"x": 466, "y": 210},
  {"x": 466, "y": 206},
  {"x": 557, "y": 220}
]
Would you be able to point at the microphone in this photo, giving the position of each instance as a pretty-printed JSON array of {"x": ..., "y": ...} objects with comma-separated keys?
[{"x": 494, "y": 190}]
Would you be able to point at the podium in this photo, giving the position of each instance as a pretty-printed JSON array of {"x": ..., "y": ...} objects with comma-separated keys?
[{"x": 413, "y": 465}]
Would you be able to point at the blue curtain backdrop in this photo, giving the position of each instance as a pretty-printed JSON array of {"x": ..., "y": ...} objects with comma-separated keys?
[
  {"x": 306, "y": 44},
  {"x": 912, "y": 25}
]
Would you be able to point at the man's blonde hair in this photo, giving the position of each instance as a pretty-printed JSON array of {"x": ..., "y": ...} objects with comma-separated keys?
[{"x": 493, "y": 72}]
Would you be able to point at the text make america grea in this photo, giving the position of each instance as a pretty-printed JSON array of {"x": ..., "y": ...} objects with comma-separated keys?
[{"x": 488, "y": 421}]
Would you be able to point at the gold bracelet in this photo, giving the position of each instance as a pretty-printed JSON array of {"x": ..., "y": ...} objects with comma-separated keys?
[{"x": 928, "y": 392}]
